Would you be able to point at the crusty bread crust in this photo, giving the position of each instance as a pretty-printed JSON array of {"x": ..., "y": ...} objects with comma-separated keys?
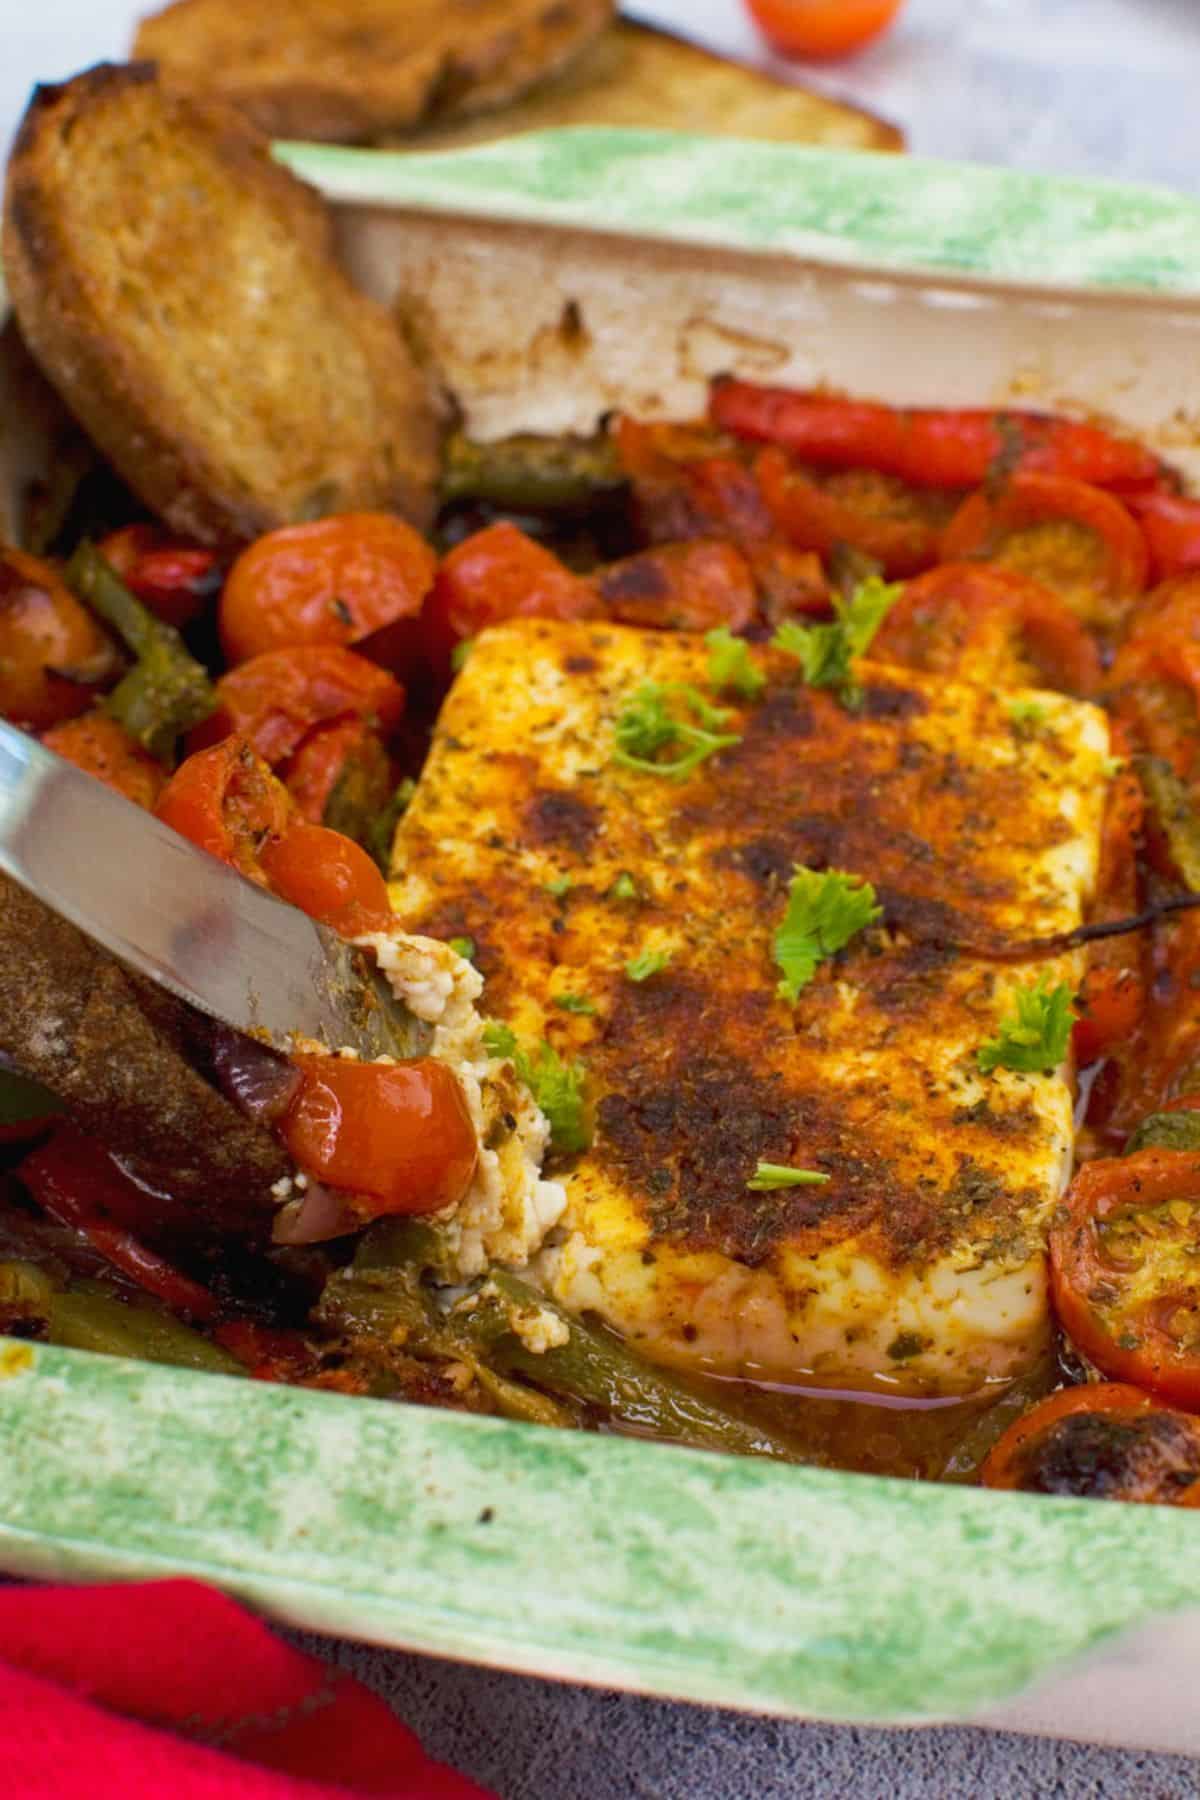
[
  {"x": 178, "y": 289},
  {"x": 349, "y": 71},
  {"x": 634, "y": 76}
]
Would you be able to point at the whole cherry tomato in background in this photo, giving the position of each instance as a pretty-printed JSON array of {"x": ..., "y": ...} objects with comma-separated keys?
[{"x": 821, "y": 27}]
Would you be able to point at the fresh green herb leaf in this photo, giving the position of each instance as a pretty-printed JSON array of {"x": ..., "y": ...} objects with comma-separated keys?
[
  {"x": 1034, "y": 1037},
  {"x": 647, "y": 727},
  {"x": 1112, "y": 766},
  {"x": 463, "y": 946},
  {"x": 623, "y": 888},
  {"x": 826, "y": 653},
  {"x": 461, "y": 654},
  {"x": 560, "y": 887},
  {"x": 1026, "y": 714},
  {"x": 729, "y": 664},
  {"x": 498, "y": 1039},
  {"x": 824, "y": 911},
  {"x": 558, "y": 1088},
  {"x": 575, "y": 1003},
  {"x": 650, "y": 962},
  {"x": 769, "y": 1176}
]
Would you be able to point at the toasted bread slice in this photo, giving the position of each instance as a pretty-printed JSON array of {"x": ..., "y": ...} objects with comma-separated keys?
[
  {"x": 635, "y": 76},
  {"x": 177, "y": 288},
  {"x": 348, "y": 71}
]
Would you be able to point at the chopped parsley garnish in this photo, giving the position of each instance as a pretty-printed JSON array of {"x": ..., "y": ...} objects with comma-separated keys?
[
  {"x": 729, "y": 664},
  {"x": 824, "y": 911},
  {"x": 647, "y": 729},
  {"x": 382, "y": 828},
  {"x": 560, "y": 887},
  {"x": 623, "y": 888},
  {"x": 1026, "y": 716},
  {"x": 826, "y": 653},
  {"x": 463, "y": 946},
  {"x": 769, "y": 1176},
  {"x": 1034, "y": 1037},
  {"x": 575, "y": 1003},
  {"x": 557, "y": 1087},
  {"x": 650, "y": 962},
  {"x": 461, "y": 653}
]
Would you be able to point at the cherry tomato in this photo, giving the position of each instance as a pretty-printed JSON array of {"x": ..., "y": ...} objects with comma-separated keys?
[
  {"x": 54, "y": 658},
  {"x": 1072, "y": 536},
  {"x": 1171, "y": 526},
  {"x": 227, "y": 801},
  {"x": 930, "y": 447},
  {"x": 341, "y": 776},
  {"x": 356, "y": 579},
  {"x": 1125, "y": 1266},
  {"x": 173, "y": 579},
  {"x": 1154, "y": 683},
  {"x": 991, "y": 626},
  {"x": 73, "y": 1178},
  {"x": 866, "y": 515},
  {"x": 693, "y": 586},
  {"x": 821, "y": 28},
  {"x": 496, "y": 575},
  {"x": 328, "y": 876},
  {"x": 1111, "y": 1002},
  {"x": 105, "y": 749},
  {"x": 1101, "y": 1442},
  {"x": 1108, "y": 1008},
  {"x": 397, "y": 1136},
  {"x": 274, "y": 700}
]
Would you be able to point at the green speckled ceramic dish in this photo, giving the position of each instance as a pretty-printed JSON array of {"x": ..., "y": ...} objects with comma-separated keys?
[{"x": 589, "y": 1558}]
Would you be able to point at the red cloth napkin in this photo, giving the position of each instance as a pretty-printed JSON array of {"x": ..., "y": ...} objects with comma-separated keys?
[{"x": 168, "y": 1688}]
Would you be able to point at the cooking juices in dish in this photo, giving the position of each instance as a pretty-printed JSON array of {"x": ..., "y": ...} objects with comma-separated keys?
[{"x": 812, "y": 800}]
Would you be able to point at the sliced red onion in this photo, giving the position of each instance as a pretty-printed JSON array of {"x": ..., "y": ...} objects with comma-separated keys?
[
  {"x": 258, "y": 1080},
  {"x": 315, "y": 1215}
]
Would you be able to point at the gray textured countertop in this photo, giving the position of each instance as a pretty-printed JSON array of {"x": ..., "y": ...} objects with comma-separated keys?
[{"x": 1104, "y": 87}]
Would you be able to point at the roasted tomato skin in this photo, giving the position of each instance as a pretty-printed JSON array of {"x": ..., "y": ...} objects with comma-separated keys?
[
  {"x": 810, "y": 516},
  {"x": 227, "y": 801},
  {"x": 329, "y": 877},
  {"x": 496, "y": 575},
  {"x": 693, "y": 586},
  {"x": 175, "y": 580},
  {"x": 54, "y": 658},
  {"x": 396, "y": 1136},
  {"x": 1107, "y": 1441},
  {"x": 101, "y": 747},
  {"x": 354, "y": 579},
  {"x": 1125, "y": 1270},
  {"x": 274, "y": 700}
]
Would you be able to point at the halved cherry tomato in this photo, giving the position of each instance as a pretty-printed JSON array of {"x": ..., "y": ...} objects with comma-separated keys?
[
  {"x": 1125, "y": 1267},
  {"x": 328, "y": 876},
  {"x": 1107, "y": 1441},
  {"x": 991, "y": 626},
  {"x": 1071, "y": 536},
  {"x": 927, "y": 447},
  {"x": 341, "y": 776},
  {"x": 1171, "y": 527},
  {"x": 1111, "y": 1001},
  {"x": 816, "y": 517},
  {"x": 1154, "y": 683},
  {"x": 680, "y": 587},
  {"x": 173, "y": 579},
  {"x": 1108, "y": 1010},
  {"x": 274, "y": 700},
  {"x": 227, "y": 801},
  {"x": 105, "y": 749},
  {"x": 358, "y": 578},
  {"x": 396, "y": 1136},
  {"x": 496, "y": 575},
  {"x": 73, "y": 1178},
  {"x": 821, "y": 27},
  {"x": 54, "y": 658}
]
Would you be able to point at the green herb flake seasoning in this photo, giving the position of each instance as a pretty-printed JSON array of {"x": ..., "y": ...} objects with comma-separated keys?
[
  {"x": 461, "y": 654},
  {"x": 826, "y": 653},
  {"x": 729, "y": 664},
  {"x": 650, "y": 962},
  {"x": 558, "y": 1087},
  {"x": 575, "y": 1003},
  {"x": 824, "y": 911},
  {"x": 623, "y": 888},
  {"x": 463, "y": 946},
  {"x": 647, "y": 728},
  {"x": 768, "y": 1176},
  {"x": 559, "y": 888},
  {"x": 1033, "y": 1039}
]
